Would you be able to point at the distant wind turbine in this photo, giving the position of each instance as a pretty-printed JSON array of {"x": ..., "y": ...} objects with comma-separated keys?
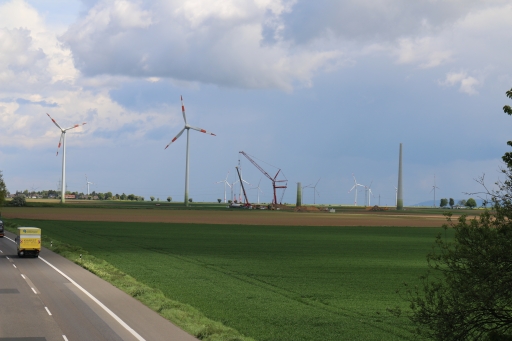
[
  {"x": 88, "y": 183},
  {"x": 355, "y": 187},
  {"x": 259, "y": 190},
  {"x": 434, "y": 189},
  {"x": 226, "y": 183},
  {"x": 369, "y": 193},
  {"x": 187, "y": 128},
  {"x": 315, "y": 193},
  {"x": 63, "y": 142}
]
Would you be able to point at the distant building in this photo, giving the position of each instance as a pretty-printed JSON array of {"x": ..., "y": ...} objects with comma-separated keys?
[{"x": 69, "y": 196}]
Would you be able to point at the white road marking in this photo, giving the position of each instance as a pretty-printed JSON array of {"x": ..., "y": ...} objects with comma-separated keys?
[
  {"x": 48, "y": 311},
  {"x": 22, "y": 275},
  {"x": 98, "y": 302},
  {"x": 110, "y": 312},
  {"x": 6, "y": 257},
  {"x": 1, "y": 251},
  {"x": 64, "y": 337},
  {"x": 34, "y": 290},
  {"x": 14, "y": 266}
]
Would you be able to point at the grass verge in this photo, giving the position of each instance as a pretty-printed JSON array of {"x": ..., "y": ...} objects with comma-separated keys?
[{"x": 184, "y": 316}]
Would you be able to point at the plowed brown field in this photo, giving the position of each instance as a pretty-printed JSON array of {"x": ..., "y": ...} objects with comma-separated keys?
[{"x": 242, "y": 217}]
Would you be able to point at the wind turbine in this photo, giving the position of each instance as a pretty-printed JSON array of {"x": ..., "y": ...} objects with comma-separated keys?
[
  {"x": 370, "y": 193},
  {"x": 63, "y": 142},
  {"x": 434, "y": 189},
  {"x": 354, "y": 187},
  {"x": 88, "y": 183},
  {"x": 314, "y": 191},
  {"x": 396, "y": 196},
  {"x": 225, "y": 181},
  {"x": 259, "y": 190},
  {"x": 187, "y": 127}
]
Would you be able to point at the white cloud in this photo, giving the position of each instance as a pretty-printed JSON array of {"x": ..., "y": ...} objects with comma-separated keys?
[
  {"x": 37, "y": 75},
  {"x": 467, "y": 83},
  {"x": 219, "y": 43},
  {"x": 427, "y": 52}
]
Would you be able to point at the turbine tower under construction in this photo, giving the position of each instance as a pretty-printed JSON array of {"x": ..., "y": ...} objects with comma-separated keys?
[{"x": 400, "y": 198}]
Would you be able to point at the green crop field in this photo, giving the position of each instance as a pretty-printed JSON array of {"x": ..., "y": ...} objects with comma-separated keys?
[{"x": 269, "y": 282}]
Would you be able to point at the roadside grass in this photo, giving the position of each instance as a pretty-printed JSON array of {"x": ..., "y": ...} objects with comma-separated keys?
[
  {"x": 286, "y": 283},
  {"x": 184, "y": 316}
]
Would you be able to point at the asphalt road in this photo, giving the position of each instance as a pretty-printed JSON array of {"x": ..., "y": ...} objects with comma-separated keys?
[{"x": 50, "y": 298}]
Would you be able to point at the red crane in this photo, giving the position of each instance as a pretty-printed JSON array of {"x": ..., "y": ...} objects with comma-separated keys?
[
  {"x": 273, "y": 179},
  {"x": 247, "y": 204}
]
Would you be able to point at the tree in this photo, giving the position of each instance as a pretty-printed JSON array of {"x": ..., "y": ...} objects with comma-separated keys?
[
  {"x": 19, "y": 200},
  {"x": 3, "y": 190},
  {"x": 122, "y": 196},
  {"x": 152, "y": 198},
  {"x": 443, "y": 202},
  {"x": 190, "y": 200},
  {"x": 452, "y": 202},
  {"x": 466, "y": 293},
  {"x": 462, "y": 202},
  {"x": 169, "y": 199},
  {"x": 131, "y": 197},
  {"x": 471, "y": 203},
  {"x": 219, "y": 200}
]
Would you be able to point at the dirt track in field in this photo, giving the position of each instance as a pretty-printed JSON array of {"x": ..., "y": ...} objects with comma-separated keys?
[{"x": 239, "y": 217}]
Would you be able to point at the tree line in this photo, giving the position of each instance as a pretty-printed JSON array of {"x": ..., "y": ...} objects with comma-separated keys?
[{"x": 471, "y": 203}]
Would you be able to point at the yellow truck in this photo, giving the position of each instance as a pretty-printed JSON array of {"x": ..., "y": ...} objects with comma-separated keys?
[{"x": 28, "y": 241}]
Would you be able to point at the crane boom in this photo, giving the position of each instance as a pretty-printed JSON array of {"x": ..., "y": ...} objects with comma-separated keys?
[
  {"x": 273, "y": 179},
  {"x": 258, "y": 166}
]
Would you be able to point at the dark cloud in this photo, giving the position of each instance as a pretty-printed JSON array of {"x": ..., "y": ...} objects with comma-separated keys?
[{"x": 371, "y": 20}]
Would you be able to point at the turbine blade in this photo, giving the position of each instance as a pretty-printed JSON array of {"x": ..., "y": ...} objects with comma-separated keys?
[
  {"x": 58, "y": 126},
  {"x": 60, "y": 142},
  {"x": 183, "y": 110},
  {"x": 75, "y": 126},
  {"x": 176, "y": 137},
  {"x": 202, "y": 130}
]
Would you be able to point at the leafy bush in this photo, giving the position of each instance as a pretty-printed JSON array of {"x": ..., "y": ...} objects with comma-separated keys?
[{"x": 18, "y": 201}]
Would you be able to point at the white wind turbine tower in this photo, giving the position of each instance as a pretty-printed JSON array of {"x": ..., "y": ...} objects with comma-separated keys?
[
  {"x": 187, "y": 127},
  {"x": 355, "y": 187},
  {"x": 434, "y": 189},
  {"x": 396, "y": 196},
  {"x": 88, "y": 183},
  {"x": 314, "y": 191},
  {"x": 225, "y": 181},
  {"x": 370, "y": 193},
  {"x": 63, "y": 142},
  {"x": 259, "y": 190}
]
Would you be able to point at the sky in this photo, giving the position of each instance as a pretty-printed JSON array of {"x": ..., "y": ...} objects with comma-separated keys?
[{"x": 323, "y": 91}]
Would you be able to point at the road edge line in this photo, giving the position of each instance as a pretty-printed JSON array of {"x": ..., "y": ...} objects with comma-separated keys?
[{"x": 98, "y": 302}]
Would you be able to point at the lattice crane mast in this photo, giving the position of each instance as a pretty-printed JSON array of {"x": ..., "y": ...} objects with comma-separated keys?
[{"x": 273, "y": 179}]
